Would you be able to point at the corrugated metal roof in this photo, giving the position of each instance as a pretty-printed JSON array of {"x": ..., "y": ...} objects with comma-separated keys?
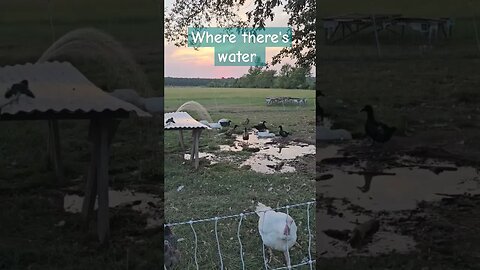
[
  {"x": 182, "y": 120},
  {"x": 58, "y": 88}
]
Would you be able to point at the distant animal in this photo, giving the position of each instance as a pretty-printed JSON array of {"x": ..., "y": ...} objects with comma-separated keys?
[
  {"x": 224, "y": 122},
  {"x": 325, "y": 133},
  {"x": 231, "y": 131},
  {"x": 261, "y": 126},
  {"x": 171, "y": 254},
  {"x": 282, "y": 132},
  {"x": 246, "y": 135},
  {"x": 277, "y": 166},
  {"x": 245, "y": 123},
  {"x": 377, "y": 131},
  {"x": 170, "y": 121},
  {"x": 265, "y": 134},
  {"x": 363, "y": 232},
  {"x": 277, "y": 230},
  {"x": 212, "y": 125},
  {"x": 18, "y": 89}
]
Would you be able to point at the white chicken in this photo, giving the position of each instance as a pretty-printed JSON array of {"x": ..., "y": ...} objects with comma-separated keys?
[{"x": 278, "y": 230}]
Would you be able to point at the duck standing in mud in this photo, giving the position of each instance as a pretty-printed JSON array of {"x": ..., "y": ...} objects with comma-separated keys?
[
  {"x": 246, "y": 122},
  {"x": 282, "y": 132},
  {"x": 261, "y": 126},
  {"x": 246, "y": 135},
  {"x": 377, "y": 131},
  {"x": 230, "y": 132}
]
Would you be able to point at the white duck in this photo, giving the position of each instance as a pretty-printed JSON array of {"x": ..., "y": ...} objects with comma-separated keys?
[
  {"x": 278, "y": 230},
  {"x": 212, "y": 125}
]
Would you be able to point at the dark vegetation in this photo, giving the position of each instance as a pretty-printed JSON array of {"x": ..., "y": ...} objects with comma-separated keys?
[{"x": 288, "y": 77}]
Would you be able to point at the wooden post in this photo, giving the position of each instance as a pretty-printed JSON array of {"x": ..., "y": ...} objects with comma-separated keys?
[
  {"x": 197, "y": 142},
  {"x": 55, "y": 150},
  {"x": 103, "y": 226},
  {"x": 192, "y": 151},
  {"x": 376, "y": 35},
  {"x": 182, "y": 144},
  {"x": 91, "y": 184}
]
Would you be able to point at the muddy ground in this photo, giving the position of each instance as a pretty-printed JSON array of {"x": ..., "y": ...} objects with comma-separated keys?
[{"x": 433, "y": 100}]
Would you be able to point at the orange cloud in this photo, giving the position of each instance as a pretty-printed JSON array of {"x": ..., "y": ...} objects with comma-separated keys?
[{"x": 202, "y": 56}]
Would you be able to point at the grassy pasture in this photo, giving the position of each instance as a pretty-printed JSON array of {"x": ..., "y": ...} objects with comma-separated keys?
[{"x": 224, "y": 188}]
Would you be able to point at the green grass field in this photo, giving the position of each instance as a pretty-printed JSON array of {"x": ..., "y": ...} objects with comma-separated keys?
[{"x": 224, "y": 188}]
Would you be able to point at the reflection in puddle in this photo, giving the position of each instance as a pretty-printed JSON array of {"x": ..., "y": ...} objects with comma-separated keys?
[
  {"x": 275, "y": 158},
  {"x": 270, "y": 156},
  {"x": 362, "y": 191},
  {"x": 399, "y": 188},
  {"x": 142, "y": 202},
  {"x": 385, "y": 241}
]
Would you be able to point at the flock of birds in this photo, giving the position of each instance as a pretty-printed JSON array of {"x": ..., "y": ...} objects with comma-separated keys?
[
  {"x": 277, "y": 230},
  {"x": 260, "y": 129}
]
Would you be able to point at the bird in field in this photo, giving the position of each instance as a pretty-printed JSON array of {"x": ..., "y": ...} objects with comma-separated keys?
[
  {"x": 170, "y": 121},
  {"x": 277, "y": 166},
  {"x": 246, "y": 122},
  {"x": 224, "y": 122},
  {"x": 171, "y": 254},
  {"x": 261, "y": 126},
  {"x": 246, "y": 135},
  {"x": 212, "y": 125},
  {"x": 377, "y": 131},
  {"x": 282, "y": 132},
  {"x": 18, "y": 89},
  {"x": 231, "y": 131},
  {"x": 277, "y": 230}
]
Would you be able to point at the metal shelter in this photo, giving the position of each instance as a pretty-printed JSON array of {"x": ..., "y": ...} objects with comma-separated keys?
[
  {"x": 183, "y": 121},
  {"x": 62, "y": 92}
]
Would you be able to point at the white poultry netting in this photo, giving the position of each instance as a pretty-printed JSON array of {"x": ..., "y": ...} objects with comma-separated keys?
[{"x": 310, "y": 262}]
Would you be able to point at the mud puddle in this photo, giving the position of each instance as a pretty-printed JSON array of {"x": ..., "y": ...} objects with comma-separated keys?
[
  {"x": 144, "y": 203},
  {"x": 270, "y": 155},
  {"x": 358, "y": 190}
]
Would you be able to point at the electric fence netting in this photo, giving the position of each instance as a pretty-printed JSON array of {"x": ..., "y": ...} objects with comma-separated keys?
[{"x": 239, "y": 246}]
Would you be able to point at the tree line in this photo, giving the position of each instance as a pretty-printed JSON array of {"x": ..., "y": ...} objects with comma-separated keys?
[{"x": 288, "y": 77}]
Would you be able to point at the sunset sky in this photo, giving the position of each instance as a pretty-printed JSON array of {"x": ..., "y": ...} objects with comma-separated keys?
[{"x": 187, "y": 62}]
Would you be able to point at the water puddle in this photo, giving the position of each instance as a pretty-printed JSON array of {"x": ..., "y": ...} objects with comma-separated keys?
[
  {"x": 356, "y": 191},
  {"x": 144, "y": 203},
  {"x": 202, "y": 155},
  {"x": 270, "y": 155},
  {"x": 345, "y": 218}
]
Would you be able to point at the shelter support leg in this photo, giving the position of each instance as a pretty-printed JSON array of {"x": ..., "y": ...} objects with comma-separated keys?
[
  {"x": 103, "y": 226},
  {"x": 91, "y": 185},
  {"x": 55, "y": 150},
  {"x": 101, "y": 135},
  {"x": 196, "y": 146},
  {"x": 192, "y": 150},
  {"x": 180, "y": 137}
]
